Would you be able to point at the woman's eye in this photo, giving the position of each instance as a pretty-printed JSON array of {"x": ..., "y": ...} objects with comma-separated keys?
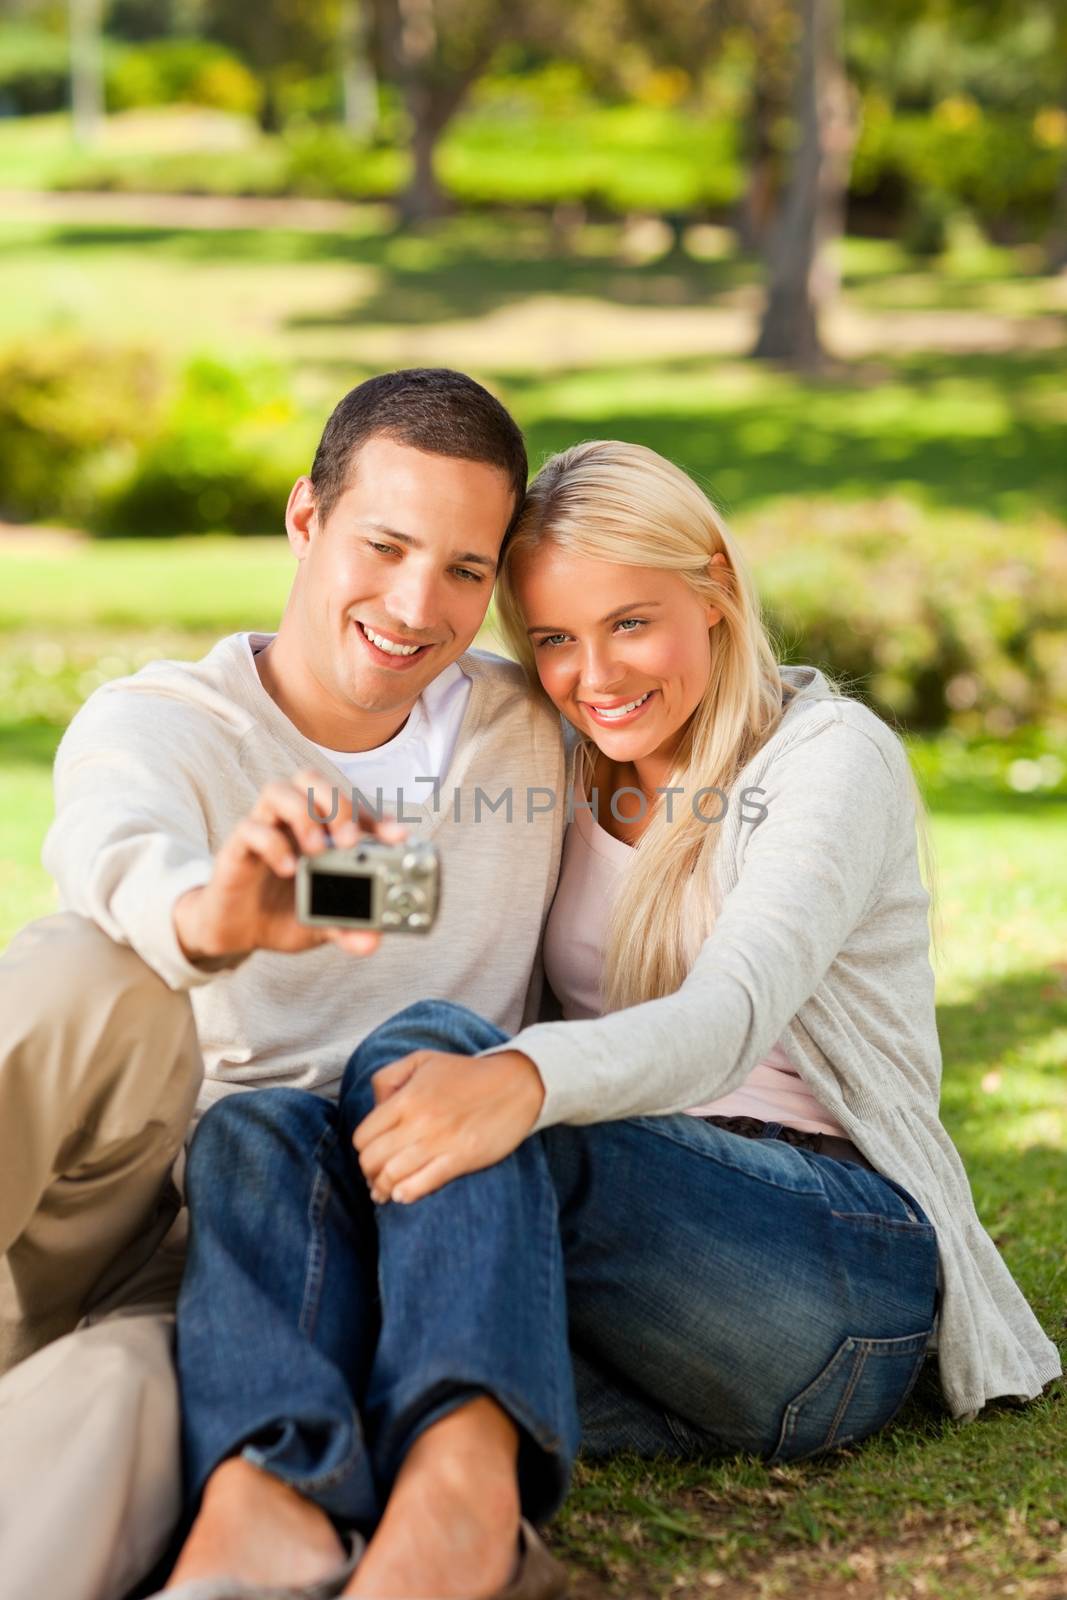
[
  {"x": 630, "y": 624},
  {"x": 553, "y": 638}
]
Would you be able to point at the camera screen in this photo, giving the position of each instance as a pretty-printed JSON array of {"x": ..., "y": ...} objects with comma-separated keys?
[{"x": 338, "y": 894}]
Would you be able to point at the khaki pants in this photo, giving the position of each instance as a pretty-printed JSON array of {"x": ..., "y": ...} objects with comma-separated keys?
[{"x": 99, "y": 1071}]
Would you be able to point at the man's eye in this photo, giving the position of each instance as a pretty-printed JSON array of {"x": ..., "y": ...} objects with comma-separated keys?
[
  {"x": 383, "y": 549},
  {"x": 467, "y": 575}
]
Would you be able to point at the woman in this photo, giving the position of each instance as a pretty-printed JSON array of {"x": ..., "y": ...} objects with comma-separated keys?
[{"x": 725, "y": 1159}]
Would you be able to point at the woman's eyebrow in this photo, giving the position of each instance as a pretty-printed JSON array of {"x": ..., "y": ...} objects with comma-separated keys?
[{"x": 620, "y": 611}]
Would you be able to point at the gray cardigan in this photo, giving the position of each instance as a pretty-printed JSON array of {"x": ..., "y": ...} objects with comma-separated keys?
[{"x": 822, "y": 942}]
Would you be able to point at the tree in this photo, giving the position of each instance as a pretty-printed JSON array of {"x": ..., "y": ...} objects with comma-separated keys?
[
  {"x": 274, "y": 36},
  {"x": 86, "y": 69},
  {"x": 769, "y": 25},
  {"x": 800, "y": 277},
  {"x": 359, "y": 81},
  {"x": 438, "y": 49}
]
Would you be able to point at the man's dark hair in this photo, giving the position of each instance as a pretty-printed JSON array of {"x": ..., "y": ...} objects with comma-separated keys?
[{"x": 434, "y": 409}]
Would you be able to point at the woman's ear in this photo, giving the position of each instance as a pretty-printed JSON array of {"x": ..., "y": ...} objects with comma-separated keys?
[{"x": 715, "y": 612}]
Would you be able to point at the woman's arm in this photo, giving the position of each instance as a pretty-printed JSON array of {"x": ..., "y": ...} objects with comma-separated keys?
[{"x": 833, "y": 800}]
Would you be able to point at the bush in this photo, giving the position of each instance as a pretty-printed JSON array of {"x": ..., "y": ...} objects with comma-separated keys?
[
  {"x": 1000, "y": 165},
  {"x": 326, "y": 161},
  {"x": 88, "y": 434},
  {"x": 71, "y": 413},
  {"x": 34, "y": 71},
  {"x": 935, "y": 619},
  {"x": 181, "y": 71},
  {"x": 223, "y": 459},
  {"x": 619, "y": 158}
]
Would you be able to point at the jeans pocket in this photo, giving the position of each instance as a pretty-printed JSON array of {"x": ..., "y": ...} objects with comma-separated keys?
[{"x": 860, "y": 1389}]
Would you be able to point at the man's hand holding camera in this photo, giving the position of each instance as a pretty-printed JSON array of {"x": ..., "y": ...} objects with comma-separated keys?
[
  {"x": 249, "y": 903},
  {"x": 437, "y": 1116}
]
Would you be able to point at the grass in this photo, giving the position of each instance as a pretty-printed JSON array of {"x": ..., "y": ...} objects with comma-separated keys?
[
  {"x": 585, "y": 339},
  {"x": 931, "y": 1507},
  {"x": 620, "y": 157}
]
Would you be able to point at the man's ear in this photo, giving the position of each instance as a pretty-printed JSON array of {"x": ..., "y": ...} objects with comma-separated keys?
[
  {"x": 301, "y": 517},
  {"x": 715, "y": 612}
]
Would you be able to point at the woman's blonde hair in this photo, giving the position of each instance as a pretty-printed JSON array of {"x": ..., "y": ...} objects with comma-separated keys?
[{"x": 624, "y": 503}]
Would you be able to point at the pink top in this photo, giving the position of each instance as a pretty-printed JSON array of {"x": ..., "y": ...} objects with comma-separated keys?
[{"x": 591, "y": 870}]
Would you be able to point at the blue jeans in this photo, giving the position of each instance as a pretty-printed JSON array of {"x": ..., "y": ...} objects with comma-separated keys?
[{"x": 695, "y": 1292}]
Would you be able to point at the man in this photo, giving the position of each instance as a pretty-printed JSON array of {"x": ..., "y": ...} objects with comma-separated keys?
[{"x": 177, "y": 971}]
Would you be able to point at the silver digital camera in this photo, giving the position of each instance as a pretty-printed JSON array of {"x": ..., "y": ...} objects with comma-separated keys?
[{"x": 392, "y": 887}]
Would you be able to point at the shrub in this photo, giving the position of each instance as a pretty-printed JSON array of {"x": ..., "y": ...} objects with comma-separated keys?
[
  {"x": 934, "y": 619},
  {"x": 70, "y": 413},
  {"x": 997, "y": 164},
  {"x": 185, "y": 71},
  {"x": 34, "y": 70},
  {"x": 223, "y": 458}
]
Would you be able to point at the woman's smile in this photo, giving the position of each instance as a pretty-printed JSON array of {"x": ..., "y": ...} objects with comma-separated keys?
[{"x": 610, "y": 714}]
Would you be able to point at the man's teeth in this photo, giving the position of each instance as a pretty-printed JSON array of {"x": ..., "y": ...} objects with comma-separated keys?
[
  {"x": 622, "y": 711},
  {"x": 387, "y": 645}
]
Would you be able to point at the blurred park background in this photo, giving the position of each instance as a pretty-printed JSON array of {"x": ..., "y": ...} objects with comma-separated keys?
[{"x": 815, "y": 253}]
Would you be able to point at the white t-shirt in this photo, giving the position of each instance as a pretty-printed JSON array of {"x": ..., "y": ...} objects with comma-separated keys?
[{"x": 423, "y": 748}]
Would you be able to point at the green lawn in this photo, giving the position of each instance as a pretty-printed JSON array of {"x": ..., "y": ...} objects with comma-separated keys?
[{"x": 964, "y": 412}]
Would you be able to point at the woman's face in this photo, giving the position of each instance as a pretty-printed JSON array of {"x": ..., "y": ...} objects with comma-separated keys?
[{"x": 623, "y": 652}]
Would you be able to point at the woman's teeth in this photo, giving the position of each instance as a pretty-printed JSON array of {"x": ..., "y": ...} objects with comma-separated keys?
[
  {"x": 387, "y": 645},
  {"x": 622, "y": 711}
]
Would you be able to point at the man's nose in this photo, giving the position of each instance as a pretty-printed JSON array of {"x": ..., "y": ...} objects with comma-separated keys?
[{"x": 413, "y": 600}]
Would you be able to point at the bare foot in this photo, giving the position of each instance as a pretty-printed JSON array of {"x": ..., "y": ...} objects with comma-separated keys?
[
  {"x": 451, "y": 1528},
  {"x": 256, "y": 1529}
]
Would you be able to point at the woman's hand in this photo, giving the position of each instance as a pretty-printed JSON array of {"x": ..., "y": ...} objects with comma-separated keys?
[{"x": 438, "y": 1116}]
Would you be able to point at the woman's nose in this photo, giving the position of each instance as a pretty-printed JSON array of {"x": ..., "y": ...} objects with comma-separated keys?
[{"x": 602, "y": 671}]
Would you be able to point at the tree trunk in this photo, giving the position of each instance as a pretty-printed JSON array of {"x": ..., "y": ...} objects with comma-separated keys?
[
  {"x": 802, "y": 279},
  {"x": 86, "y": 69},
  {"x": 430, "y": 114},
  {"x": 358, "y": 81},
  {"x": 270, "y": 112},
  {"x": 755, "y": 213}
]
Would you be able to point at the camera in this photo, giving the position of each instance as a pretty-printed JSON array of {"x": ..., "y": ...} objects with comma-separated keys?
[{"x": 391, "y": 887}]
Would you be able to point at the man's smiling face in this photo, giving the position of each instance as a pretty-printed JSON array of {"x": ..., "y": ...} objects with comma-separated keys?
[{"x": 394, "y": 585}]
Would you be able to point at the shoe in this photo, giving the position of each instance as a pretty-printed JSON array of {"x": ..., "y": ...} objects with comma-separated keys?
[
  {"x": 233, "y": 1589},
  {"x": 540, "y": 1576}
]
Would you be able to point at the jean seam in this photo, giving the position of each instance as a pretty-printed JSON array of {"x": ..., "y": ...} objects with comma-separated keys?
[
  {"x": 812, "y": 1390},
  {"x": 817, "y": 1192},
  {"x": 314, "y": 1481},
  {"x": 686, "y": 1434},
  {"x": 858, "y": 1366},
  {"x": 550, "y": 1241},
  {"x": 874, "y": 1219},
  {"x": 315, "y": 1260}
]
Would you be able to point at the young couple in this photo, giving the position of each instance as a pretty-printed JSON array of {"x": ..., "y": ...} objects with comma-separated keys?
[{"x": 708, "y": 1207}]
